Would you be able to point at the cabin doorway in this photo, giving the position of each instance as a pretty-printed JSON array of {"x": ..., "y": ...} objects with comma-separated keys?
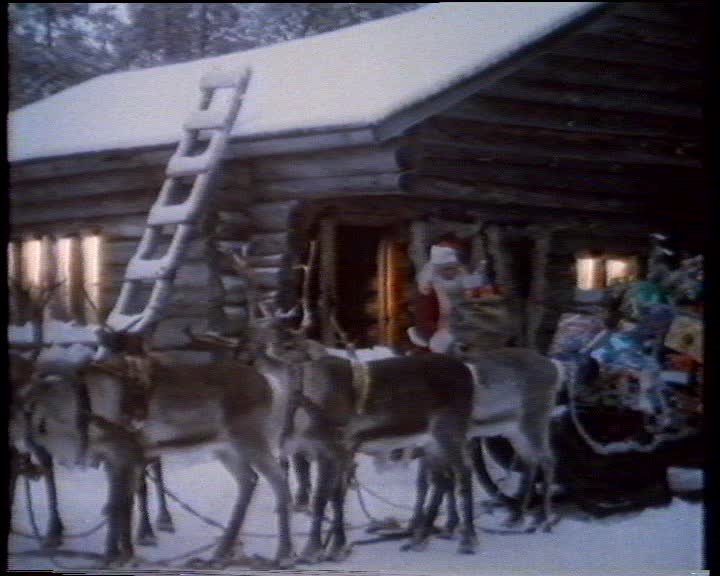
[{"x": 365, "y": 276}]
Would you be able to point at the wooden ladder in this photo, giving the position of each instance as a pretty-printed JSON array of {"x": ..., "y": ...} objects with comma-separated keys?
[{"x": 174, "y": 217}]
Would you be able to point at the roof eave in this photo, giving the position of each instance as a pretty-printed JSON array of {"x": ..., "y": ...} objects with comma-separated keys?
[{"x": 398, "y": 122}]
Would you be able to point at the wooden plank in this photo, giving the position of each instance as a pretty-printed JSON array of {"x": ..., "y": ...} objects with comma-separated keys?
[
  {"x": 335, "y": 186},
  {"x": 343, "y": 162},
  {"x": 594, "y": 72},
  {"x": 572, "y": 118},
  {"x": 614, "y": 50},
  {"x": 492, "y": 138},
  {"x": 610, "y": 98},
  {"x": 496, "y": 194}
]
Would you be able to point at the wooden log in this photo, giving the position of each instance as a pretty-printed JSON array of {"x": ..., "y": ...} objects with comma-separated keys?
[
  {"x": 539, "y": 178},
  {"x": 577, "y": 70},
  {"x": 671, "y": 14},
  {"x": 120, "y": 252},
  {"x": 490, "y": 138},
  {"x": 80, "y": 208},
  {"x": 266, "y": 244},
  {"x": 89, "y": 163},
  {"x": 614, "y": 50},
  {"x": 85, "y": 185},
  {"x": 343, "y": 162},
  {"x": 194, "y": 273},
  {"x": 267, "y": 278},
  {"x": 272, "y": 216},
  {"x": 610, "y": 98},
  {"x": 171, "y": 332},
  {"x": 643, "y": 172},
  {"x": 570, "y": 117},
  {"x": 238, "y": 148},
  {"x": 498, "y": 194},
  {"x": 361, "y": 185},
  {"x": 626, "y": 27}
]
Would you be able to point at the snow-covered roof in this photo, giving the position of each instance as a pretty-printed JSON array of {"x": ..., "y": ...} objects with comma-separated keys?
[{"x": 352, "y": 77}]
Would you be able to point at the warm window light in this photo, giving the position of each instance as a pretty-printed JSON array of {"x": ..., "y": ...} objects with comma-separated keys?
[
  {"x": 32, "y": 261},
  {"x": 91, "y": 247},
  {"x": 616, "y": 269},
  {"x": 587, "y": 271},
  {"x": 65, "y": 255}
]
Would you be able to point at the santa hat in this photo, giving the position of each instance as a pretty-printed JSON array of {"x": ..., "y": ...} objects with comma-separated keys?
[{"x": 443, "y": 255}]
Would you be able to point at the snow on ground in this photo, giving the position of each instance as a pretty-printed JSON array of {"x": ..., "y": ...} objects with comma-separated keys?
[{"x": 660, "y": 541}]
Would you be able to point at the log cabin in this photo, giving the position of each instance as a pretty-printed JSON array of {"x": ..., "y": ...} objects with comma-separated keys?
[{"x": 538, "y": 135}]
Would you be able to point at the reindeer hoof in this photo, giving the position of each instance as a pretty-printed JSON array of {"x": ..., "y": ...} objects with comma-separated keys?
[
  {"x": 146, "y": 540},
  {"x": 312, "y": 555},
  {"x": 165, "y": 524},
  {"x": 211, "y": 564},
  {"x": 415, "y": 545},
  {"x": 117, "y": 560},
  {"x": 52, "y": 541},
  {"x": 338, "y": 553},
  {"x": 447, "y": 534},
  {"x": 468, "y": 546}
]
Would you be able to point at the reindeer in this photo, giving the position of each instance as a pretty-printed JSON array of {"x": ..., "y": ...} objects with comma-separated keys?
[
  {"x": 30, "y": 304},
  {"x": 416, "y": 402},
  {"x": 223, "y": 408}
]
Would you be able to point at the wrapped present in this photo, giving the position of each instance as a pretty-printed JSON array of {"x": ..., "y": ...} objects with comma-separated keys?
[
  {"x": 575, "y": 332},
  {"x": 686, "y": 336}
]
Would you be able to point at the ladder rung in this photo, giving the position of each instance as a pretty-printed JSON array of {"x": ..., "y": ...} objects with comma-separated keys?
[
  {"x": 166, "y": 215},
  {"x": 188, "y": 165},
  {"x": 148, "y": 269},
  {"x": 207, "y": 120},
  {"x": 223, "y": 79}
]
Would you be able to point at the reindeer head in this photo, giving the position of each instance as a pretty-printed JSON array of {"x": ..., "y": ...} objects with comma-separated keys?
[{"x": 282, "y": 341}]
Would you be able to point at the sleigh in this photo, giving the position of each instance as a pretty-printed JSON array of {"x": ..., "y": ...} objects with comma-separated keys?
[{"x": 616, "y": 433}]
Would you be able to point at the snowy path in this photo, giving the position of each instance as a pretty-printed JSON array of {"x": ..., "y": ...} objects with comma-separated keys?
[{"x": 655, "y": 541}]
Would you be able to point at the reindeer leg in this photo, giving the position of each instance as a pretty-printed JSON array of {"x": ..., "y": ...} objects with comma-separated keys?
[
  {"x": 327, "y": 479},
  {"x": 420, "y": 495},
  {"x": 302, "y": 471},
  {"x": 118, "y": 542},
  {"x": 164, "y": 521},
  {"x": 53, "y": 535},
  {"x": 419, "y": 540},
  {"x": 145, "y": 535},
  {"x": 338, "y": 549},
  {"x": 450, "y": 435},
  {"x": 453, "y": 519},
  {"x": 271, "y": 470},
  {"x": 246, "y": 479}
]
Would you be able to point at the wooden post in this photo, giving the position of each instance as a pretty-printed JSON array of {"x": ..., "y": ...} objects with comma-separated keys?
[
  {"x": 538, "y": 281},
  {"x": 327, "y": 279}
]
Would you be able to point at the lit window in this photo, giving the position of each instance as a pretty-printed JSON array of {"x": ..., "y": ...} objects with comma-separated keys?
[
  {"x": 597, "y": 272},
  {"x": 33, "y": 263},
  {"x": 70, "y": 264},
  {"x": 91, "y": 259}
]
